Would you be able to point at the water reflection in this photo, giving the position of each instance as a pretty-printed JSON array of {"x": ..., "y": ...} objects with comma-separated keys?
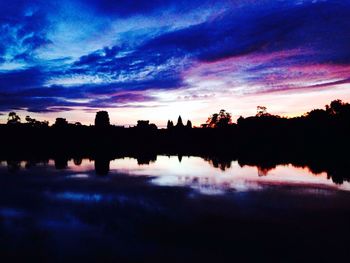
[
  {"x": 204, "y": 175},
  {"x": 102, "y": 166},
  {"x": 135, "y": 207},
  {"x": 77, "y": 161},
  {"x": 61, "y": 163}
]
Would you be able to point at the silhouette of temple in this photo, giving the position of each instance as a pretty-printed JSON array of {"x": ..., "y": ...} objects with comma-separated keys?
[{"x": 319, "y": 135}]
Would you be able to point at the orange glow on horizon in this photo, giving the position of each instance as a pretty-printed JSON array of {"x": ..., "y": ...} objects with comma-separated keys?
[{"x": 283, "y": 103}]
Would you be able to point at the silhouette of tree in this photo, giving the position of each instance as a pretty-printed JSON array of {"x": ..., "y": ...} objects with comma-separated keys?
[
  {"x": 102, "y": 119},
  {"x": 13, "y": 118},
  {"x": 261, "y": 111},
  {"x": 339, "y": 108},
  {"x": 335, "y": 107},
  {"x": 317, "y": 114},
  {"x": 29, "y": 120},
  {"x": 224, "y": 120},
  {"x": 212, "y": 120},
  {"x": 34, "y": 123},
  {"x": 142, "y": 124},
  {"x": 219, "y": 120},
  {"x": 60, "y": 122},
  {"x": 240, "y": 120},
  {"x": 189, "y": 124},
  {"x": 153, "y": 126}
]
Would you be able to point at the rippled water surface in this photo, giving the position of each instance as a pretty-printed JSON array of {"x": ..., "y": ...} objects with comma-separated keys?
[
  {"x": 201, "y": 175},
  {"x": 169, "y": 208}
]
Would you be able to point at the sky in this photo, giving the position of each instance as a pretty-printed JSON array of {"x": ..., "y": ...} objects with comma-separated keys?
[{"x": 158, "y": 59}]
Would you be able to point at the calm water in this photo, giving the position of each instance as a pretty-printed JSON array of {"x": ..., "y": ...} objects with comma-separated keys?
[{"x": 173, "y": 209}]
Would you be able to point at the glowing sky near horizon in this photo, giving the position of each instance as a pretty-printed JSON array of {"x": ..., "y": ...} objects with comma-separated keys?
[{"x": 157, "y": 59}]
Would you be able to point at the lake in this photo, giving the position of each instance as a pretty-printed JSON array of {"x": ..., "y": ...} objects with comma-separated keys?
[{"x": 170, "y": 208}]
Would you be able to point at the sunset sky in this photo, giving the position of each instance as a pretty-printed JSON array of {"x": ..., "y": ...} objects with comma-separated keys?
[{"x": 157, "y": 59}]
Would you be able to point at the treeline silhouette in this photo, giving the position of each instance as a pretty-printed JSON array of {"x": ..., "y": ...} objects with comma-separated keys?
[{"x": 319, "y": 136}]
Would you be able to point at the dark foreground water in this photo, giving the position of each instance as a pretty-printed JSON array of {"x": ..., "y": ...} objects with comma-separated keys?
[{"x": 171, "y": 210}]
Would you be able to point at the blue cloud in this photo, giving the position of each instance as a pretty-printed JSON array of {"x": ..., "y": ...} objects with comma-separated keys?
[
  {"x": 23, "y": 30},
  {"x": 129, "y": 67},
  {"x": 266, "y": 28},
  {"x": 17, "y": 80},
  {"x": 125, "y": 8}
]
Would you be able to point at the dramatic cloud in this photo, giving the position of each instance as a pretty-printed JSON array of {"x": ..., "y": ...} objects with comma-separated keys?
[
  {"x": 64, "y": 55},
  {"x": 125, "y": 8}
]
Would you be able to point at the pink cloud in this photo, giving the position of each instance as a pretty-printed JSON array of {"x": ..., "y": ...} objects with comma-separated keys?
[{"x": 264, "y": 73}]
